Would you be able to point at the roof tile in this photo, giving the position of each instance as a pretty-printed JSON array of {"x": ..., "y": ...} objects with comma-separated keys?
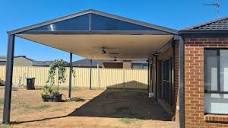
[{"x": 220, "y": 24}]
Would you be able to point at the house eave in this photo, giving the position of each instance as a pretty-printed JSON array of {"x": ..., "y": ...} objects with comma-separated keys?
[{"x": 203, "y": 33}]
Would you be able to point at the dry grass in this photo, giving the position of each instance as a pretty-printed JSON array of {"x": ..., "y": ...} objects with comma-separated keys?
[
  {"x": 29, "y": 111},
  {"x": 129, "y": 121}
]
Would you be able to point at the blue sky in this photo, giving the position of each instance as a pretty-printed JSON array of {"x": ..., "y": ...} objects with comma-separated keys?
[{"x": 177, "y": 14}]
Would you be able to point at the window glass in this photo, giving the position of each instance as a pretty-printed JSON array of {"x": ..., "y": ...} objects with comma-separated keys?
[
  {"x": 224, "y": 70},
  {"x": 211, "y": 83},
  {"x": 216, "y": 63},
  {"x": 216, "y": 103}
]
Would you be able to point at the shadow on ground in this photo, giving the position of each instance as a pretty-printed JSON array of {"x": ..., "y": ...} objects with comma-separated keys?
[
  {"x": 44, "y": 119},
  {"x": 123, "y": 103},
  {"x": 129, "y": 85},
  {"x": 119, "y": 101}
]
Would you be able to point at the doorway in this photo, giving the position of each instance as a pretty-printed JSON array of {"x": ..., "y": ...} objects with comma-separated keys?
[{"x": 165, "y": 90}]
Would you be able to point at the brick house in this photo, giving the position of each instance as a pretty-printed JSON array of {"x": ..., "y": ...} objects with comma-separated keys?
[
  {"x": 205, "y": 65},
  {"x": 186, "y": 69}
]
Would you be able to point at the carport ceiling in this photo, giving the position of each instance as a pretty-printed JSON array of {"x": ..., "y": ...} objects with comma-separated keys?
[
  {"x": 97, "y": 35},
  {"x": 105, "y": 46}
]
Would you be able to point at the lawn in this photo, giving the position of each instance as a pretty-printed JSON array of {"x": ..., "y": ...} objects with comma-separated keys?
[{"x": 88, "y": 109}]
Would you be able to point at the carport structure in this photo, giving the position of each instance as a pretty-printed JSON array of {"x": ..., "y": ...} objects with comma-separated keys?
[{"x": 100, "y": 36}]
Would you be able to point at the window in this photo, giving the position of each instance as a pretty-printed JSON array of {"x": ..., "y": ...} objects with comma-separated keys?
[{"x": 216, "y": 81}]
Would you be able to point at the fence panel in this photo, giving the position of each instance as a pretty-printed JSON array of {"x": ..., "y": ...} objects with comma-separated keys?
[{"x": 100, "y": 77}]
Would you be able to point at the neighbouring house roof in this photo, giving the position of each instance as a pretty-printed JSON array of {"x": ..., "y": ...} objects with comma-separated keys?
[
  {"x": 24, "y": 57},
  {"x": 78, "y": 63},
  {"x": 216, "y": 26},
  {"x": 2, "y": 58},
  {"x": 18, "y": 61},
  {"x": 41, "y": 63},
  {"x": 86, "y": 63}
]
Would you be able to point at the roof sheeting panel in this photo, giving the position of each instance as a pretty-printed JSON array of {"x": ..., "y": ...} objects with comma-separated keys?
[
  {"x": 73, "y": 24},
  {"x": 92, "y": 21},
  {"x": 97, "y": 23},
  {"x": 105, "y": 23}
]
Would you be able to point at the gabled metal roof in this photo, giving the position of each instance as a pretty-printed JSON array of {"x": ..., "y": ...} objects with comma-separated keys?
[
  {"x": 215, "y": 26},
  {"x": 90, "y": 11}
]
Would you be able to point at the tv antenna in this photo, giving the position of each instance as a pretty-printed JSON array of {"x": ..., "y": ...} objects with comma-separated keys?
[{"x": 216, "y": 5}]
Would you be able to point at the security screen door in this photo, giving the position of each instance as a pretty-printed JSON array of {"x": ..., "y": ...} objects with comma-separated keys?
[{"x": 166, "y": 84}]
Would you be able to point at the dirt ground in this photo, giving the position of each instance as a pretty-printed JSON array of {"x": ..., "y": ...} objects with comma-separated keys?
[{"x": 110, "y": 108}]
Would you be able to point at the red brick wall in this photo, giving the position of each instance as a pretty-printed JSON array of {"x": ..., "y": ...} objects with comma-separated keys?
[{"x": 194, "y": 83}]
